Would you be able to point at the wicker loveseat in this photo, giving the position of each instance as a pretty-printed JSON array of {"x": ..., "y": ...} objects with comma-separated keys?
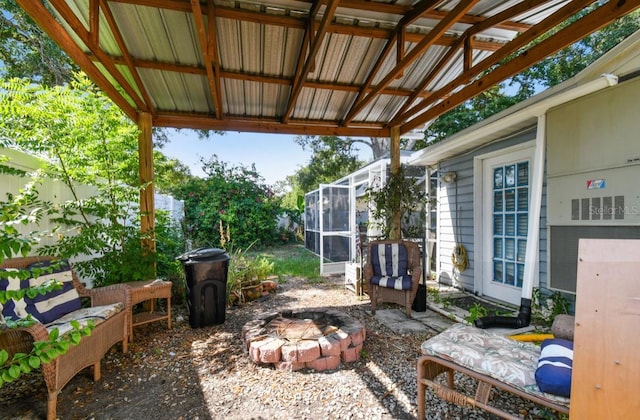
[{"x": 107, "y": 311}]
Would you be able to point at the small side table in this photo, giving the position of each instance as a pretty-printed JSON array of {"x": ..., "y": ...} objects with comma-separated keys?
[{"x": 148, "y": 290}]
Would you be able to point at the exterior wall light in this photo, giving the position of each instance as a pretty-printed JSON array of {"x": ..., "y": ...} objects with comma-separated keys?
[{"x": 448, "y": 178}]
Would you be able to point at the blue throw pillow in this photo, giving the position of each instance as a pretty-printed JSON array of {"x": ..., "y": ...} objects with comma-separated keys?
[
  {"x": 553, "y": 374},
  {"x": 14, "y": 308},
  {"x": 56, "y": 303}
]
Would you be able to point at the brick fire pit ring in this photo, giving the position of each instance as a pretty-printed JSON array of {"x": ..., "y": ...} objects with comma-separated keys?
[{"x": 316, "y": 339}]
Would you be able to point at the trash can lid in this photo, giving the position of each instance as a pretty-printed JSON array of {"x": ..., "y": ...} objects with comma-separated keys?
[{"x": 203, "y": 254}]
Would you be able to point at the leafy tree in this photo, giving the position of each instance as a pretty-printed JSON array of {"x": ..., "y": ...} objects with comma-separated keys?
[
  {"x": 169, "y": 174},
  {"x": 467, "y": 114},
  {"x": 231, "y": 201},
  {"x": 575, "y": 58},
  {"x": 85, "y": 140},
  {"x": 332, "y": 158},
  {"x": 28, "y": 52}
]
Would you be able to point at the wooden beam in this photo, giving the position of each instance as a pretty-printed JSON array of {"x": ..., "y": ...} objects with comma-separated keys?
[
  {"x": 76, "y": 26},
  {"x": 212, "y": 80},
  {"x": 305, "y": 47},
  {"x": 301, "y": 23},
  {"x": 586, "y": 25},
  {"x": 301, "y": 77},
  {"x": 399, "y": 36},
  {"x": 420, "y": 89},
  {"x": 400, "y": 50},
  {"x": 461, "y": 8},
  {"x": 431, "y": 14},
  {"x": 395, "y": 228},
  {"x": 256, "y": 125},
  {"x": 550, "y": 22},
  {"x": 145, "y": 168},
  {"x": 367, "y": 5},
  {"x": 128, "y": 61},
  {"x": 467, "y": 61},
  {"x": 260, "y": 78},
  {"x": 59, "y": 35},
  {"x": 213, "y": 52},
  {"x": 94, "y": 22}
]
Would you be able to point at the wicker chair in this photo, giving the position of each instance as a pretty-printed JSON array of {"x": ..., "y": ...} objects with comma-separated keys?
[
  {"x": 90, "y": 350},
  {"x": 392, "y": 279}
]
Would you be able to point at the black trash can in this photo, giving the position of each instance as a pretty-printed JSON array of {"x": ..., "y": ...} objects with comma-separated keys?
[
  {"x": 206, "y": 272},
  {"x": 420, "y": 301}
]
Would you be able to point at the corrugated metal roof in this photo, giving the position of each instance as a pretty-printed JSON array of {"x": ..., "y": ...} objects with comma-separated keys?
[{"x": 164, "y": 57}]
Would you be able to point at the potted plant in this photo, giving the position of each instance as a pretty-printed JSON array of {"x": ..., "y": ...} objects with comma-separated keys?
[{"x": 394, "y": 204}]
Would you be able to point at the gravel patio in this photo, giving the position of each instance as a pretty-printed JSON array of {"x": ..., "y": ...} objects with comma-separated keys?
[{"x": 205, "y": 373}]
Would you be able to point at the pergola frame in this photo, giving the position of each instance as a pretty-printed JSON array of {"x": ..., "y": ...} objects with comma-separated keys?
[{"x": 420, "y": 59}]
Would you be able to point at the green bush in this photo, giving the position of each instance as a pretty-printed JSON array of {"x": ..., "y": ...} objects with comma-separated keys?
[{"x": 234, "y": 196}]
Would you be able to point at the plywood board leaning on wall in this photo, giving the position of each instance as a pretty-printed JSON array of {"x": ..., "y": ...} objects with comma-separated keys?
[{"x": 606, "y": 367}]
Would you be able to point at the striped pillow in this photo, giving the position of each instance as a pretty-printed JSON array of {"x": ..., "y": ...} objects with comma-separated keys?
[
  {"x": 555, "y": 365},
  {"x": 56, "y": 303},
  {"x": 390, "y": 266},
  {"x": 16, "y": 309}
]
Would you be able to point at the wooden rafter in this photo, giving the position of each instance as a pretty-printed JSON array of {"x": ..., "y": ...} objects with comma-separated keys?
[
  {"x": 468, "y": 53},
  {"x": 558, "y": 17},
  {"x": 466, "y": 41},
  {"x": 128, "y": 61},
  {"x": 94, "y": 22},
  {"x": 398, "y": 35},
  {"x": 420, "y": 9},
  {"x": 461, "y": 8},
  {"x": 43, "y": 18},
  {"x": 302, "y": 74},
  {"x": 586, "y": 25},
  {"x": 72, "y": 20},
  {"x": 207, "y": 49},
  {"x": 212, "y": 50},
  {"x": 305, "y": 47},
  {"x": 261, "y": 78},
  {"x": 136, "y": 68},
  {"x": 267, "y": 125},
  {"x": 420, "y": 90},
  {"x": 432, "y": 14},
  {"x": 337, "y": 28},
  {"x": 366, "y": 5}
]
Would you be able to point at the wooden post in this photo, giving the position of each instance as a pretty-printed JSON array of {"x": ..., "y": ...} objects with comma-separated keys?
[
  {"x": 396, "y": 218},
  {"x": 145, "y": 169}
]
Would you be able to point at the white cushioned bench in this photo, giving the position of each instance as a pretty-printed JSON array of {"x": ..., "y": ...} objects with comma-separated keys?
[{"x": 492, "y": 359}]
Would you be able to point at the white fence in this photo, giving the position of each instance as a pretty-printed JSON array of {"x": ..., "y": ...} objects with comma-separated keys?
[{"x": 57, "y": 192}]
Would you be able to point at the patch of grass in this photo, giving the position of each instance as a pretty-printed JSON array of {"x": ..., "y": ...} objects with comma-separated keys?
[{"x": 293, "y": 260}]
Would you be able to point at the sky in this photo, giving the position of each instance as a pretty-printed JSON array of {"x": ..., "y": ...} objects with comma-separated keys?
[{"x": 275, "y": 155}]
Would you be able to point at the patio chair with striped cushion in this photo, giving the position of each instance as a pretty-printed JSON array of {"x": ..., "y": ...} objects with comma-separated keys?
[{"x": 393, "y": 272}]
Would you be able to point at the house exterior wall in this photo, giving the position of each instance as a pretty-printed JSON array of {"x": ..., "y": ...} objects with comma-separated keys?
[
  {"x": 457, "y": 200},
  {"x": 593, "y": 169}
]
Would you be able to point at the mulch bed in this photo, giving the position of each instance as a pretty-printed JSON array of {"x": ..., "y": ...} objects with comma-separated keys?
[{"x": 468, "y": 302}]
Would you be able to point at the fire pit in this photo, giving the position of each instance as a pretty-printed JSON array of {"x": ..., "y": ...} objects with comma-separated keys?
[{"x": 312, "y": 338}]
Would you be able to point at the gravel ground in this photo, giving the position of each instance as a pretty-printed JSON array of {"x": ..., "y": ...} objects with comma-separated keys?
[{"x": 204, "y": 373}]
